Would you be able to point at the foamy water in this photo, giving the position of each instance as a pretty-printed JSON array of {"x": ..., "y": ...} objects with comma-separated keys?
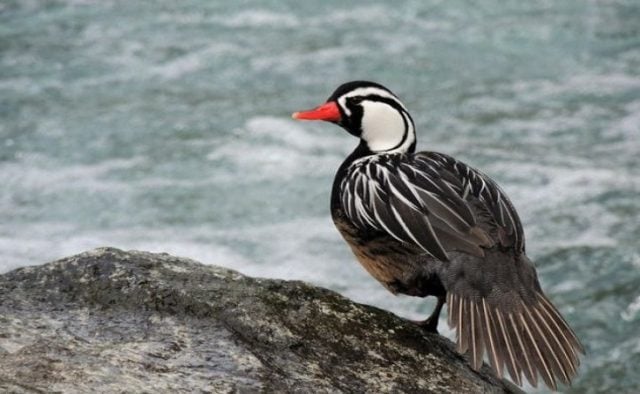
[{"x": 166, "y": 127}]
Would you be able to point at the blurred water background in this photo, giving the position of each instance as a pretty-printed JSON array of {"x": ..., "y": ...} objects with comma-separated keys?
[{"x": 164, "y": 126}]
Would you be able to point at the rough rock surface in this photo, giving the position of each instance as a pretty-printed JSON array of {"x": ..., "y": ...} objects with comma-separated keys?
[{"x": 115, "y": 321}]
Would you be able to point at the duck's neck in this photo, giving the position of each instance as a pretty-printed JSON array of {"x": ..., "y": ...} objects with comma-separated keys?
[{"x": 387, "y": 129}]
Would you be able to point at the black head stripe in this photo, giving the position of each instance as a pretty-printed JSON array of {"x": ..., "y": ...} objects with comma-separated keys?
[{"x": 353, "y": 85}]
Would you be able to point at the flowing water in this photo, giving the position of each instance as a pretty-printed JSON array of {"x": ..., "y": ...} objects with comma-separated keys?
[{"x": 165, "y": 126}]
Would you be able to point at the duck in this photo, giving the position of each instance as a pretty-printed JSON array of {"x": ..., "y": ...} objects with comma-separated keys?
[{"x": 425, "y": 224}]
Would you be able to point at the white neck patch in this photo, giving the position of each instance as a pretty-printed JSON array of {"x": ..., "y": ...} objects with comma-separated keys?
[{"x": 385, "y": 129}]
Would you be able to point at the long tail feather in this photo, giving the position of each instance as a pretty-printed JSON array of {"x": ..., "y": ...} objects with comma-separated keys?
[
  {"x": 464, "y": 329},
  {"x": 530, "y": 339},
  {"x": 525, "y": 361},
  {"x": 477, "y": 332},
  {"x": 563, "y": 323},
  {"x": 512, "y": 363},
  {"x": 569, "y": 353},
  {"x": 491, "y": 340},
  {"x": 537, "y": 353}
]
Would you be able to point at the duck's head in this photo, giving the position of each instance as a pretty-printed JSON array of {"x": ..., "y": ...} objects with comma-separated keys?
[{"x": 371, "y": 112}]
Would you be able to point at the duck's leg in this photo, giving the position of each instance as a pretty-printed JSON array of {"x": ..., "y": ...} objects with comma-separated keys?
[{"x": 431, "y": 324}]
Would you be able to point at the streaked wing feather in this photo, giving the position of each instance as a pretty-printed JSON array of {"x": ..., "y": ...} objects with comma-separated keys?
[
  {"x": 419, "y": 229},
  {"x": 424, "y": 200}
]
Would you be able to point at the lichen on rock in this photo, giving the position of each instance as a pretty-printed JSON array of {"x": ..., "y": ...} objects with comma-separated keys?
[{"x": 114, "y": 321}]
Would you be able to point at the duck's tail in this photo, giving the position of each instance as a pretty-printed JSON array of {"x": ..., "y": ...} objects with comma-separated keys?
[{"x": 530, "y": 338}]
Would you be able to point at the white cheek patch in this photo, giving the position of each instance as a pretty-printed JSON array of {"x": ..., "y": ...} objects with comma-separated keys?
[{"x": 383, "y": 127}]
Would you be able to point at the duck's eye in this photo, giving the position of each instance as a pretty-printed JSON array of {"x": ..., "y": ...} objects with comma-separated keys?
[{"x": 355, "y": 100}]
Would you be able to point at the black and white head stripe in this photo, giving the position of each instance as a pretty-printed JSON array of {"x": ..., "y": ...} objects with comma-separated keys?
[
  {"x": 377, "y": 116},
  {"x": 430, "y": 200},
  {"x": 369, "y": 93}
]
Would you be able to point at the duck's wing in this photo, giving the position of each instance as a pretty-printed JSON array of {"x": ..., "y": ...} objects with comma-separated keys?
[{"x": 432, "y": 201}]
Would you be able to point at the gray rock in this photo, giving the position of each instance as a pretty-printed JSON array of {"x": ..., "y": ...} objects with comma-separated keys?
[{"x": 115, "y": 321}]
